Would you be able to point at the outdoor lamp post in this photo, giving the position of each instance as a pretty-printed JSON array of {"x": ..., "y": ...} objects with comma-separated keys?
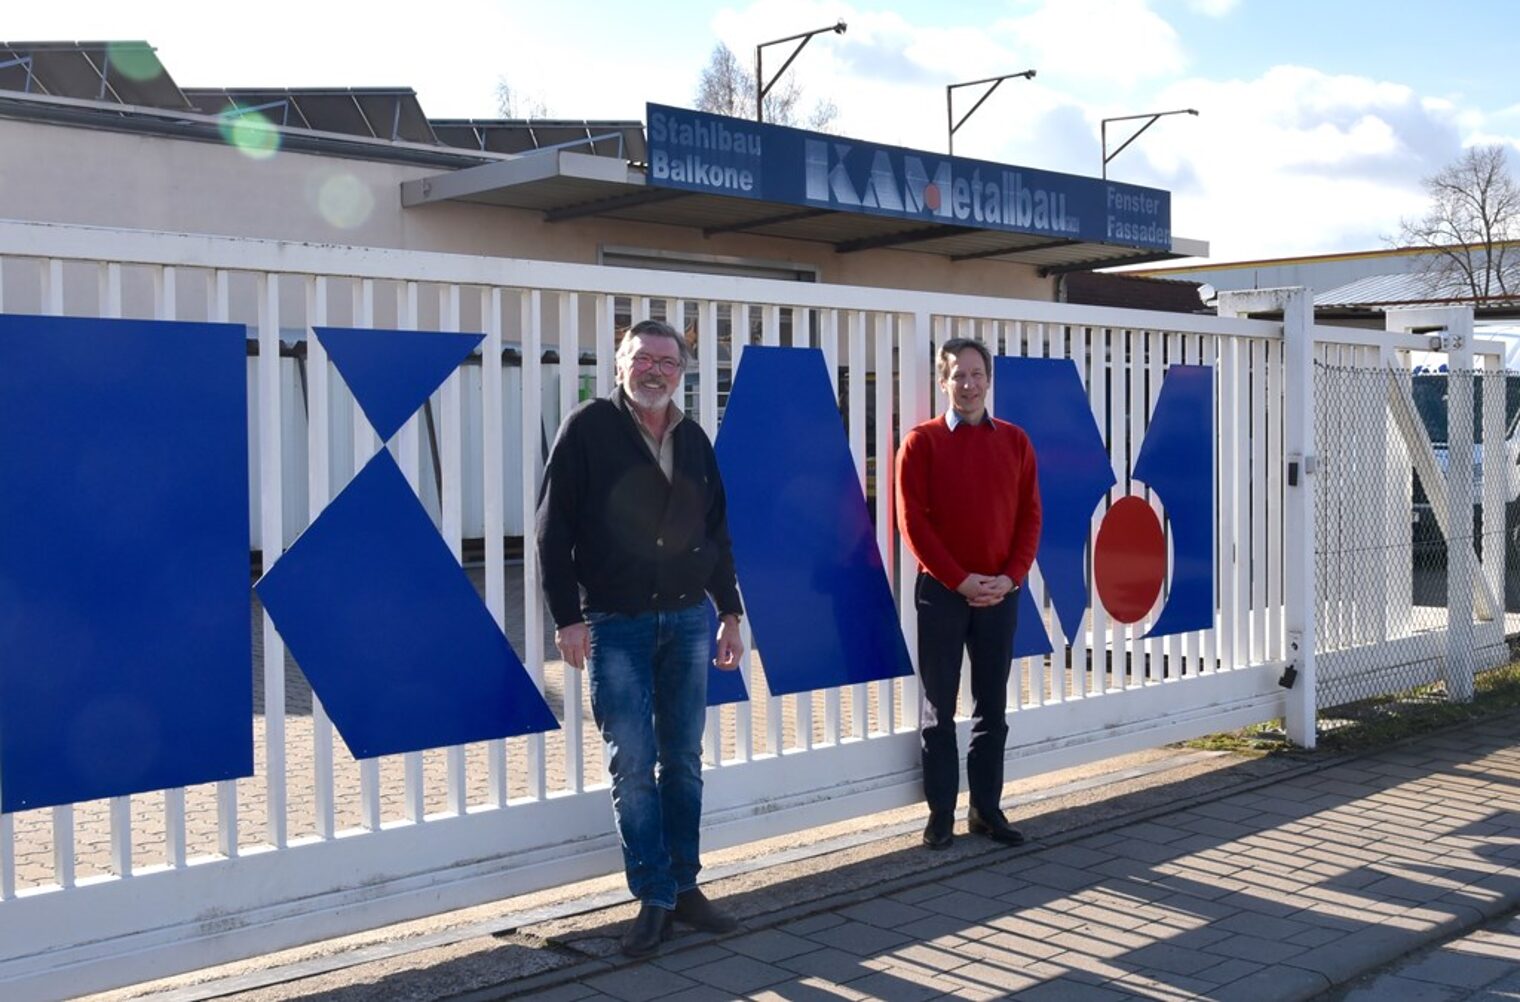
[
  {"x": 949, "y": 106},
  {"x": 1149, "y": 116},
  {"x": 762, "y": 87}
]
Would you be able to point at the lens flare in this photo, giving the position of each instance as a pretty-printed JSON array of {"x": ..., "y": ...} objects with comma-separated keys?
[
  {"x": 251, "y": 134},
  {"x": 345, "y": 201},
  {"x": 134, "y": 60}
]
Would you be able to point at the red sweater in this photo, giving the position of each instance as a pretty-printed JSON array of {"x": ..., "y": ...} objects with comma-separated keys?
[{"x": 968, "y": 500}]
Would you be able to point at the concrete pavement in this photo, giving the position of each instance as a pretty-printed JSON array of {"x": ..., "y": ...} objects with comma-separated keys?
[{"x": 1280, "y": 883}]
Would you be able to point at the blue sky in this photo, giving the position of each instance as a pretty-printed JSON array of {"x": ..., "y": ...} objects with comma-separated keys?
[{"x": 1318, "y": 119}]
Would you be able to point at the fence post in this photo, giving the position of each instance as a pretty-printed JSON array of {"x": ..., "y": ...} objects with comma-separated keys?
[
  {"x": 1297, "y": 307},
  {"x": 1460, "y": 562}
]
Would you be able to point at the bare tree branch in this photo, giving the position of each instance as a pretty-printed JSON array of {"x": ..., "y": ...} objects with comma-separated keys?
[
  {"x": 513, "y": 103},
  {"x": 1472, "y": 221},
  {"x": 727, "y": 87}
]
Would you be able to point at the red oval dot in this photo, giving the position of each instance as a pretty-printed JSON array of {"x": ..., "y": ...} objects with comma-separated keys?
[
  {"x": 931, "y": 197},
  {"x": 1129, "y": 559}
]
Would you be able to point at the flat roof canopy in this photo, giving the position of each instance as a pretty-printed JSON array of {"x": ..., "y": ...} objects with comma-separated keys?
[{"x": 563, "y": 184}]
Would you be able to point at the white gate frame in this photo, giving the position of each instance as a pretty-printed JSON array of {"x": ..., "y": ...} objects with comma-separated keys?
[{"x": 68, "y": 935}]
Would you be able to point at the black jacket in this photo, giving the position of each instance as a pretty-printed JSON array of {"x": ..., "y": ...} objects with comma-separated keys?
[{"x": 615, "y": 536}]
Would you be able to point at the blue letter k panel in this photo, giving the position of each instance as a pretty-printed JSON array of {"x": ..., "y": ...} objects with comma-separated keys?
[
  {"x": 124, "y": 643},
  {"x": 390, "y": 632}
]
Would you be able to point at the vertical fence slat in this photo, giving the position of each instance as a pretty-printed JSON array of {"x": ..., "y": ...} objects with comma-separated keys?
[
  {"x": 1208, "y": 354},
  {"x": 407, "y": 444},
  {"x": 569, "y": 394},
  {"x": 165, "y": 298},
  {"x": 493, "y": 522},
  {"x": 319, "y": 491},
  {"x": 1057, "y": 348},
  {"x": 1495, "y": 489},
  {"x": 856, "y": 320},
  {"x": 1155, "y": 344},
  {"x": 915, "y": 362},
  {"x": 1135, "y": 668},
  {"x": 120, "y": 808},
  {"x": 606, "y": 351},
  {"x": 883, "y": 371},
  {"x": 1038, "y": 668},
  {"x": 1257, "y": 482},
  {"x": 7, "y": 857},
  {"x": 744, "y": 718},
  {"x": 271, "y": 537},
  {"x": 1174, "y": 643},
  {"x": 1083, "y": 674},
  {"x": 707, "y": 417},
  {"x": 1099, "y": 372},
  {"x": 1240, "y": 611},
  {"x": 451, "y": 509},
  {"x": 802, "y": 328},
  {"x": 218, "y": 297},
  {"x": 1228, "y": 480},
  {"x": 532, "y": 407},
  {"x": 770, "y": 335},
  {"x": 1276, "y": 504},
  {"x": 828, "y": 343},
  {"x": 365, "y": 444}
]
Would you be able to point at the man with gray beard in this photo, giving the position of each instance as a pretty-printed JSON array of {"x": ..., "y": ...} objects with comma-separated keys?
[{"x": 633, "y": 540}]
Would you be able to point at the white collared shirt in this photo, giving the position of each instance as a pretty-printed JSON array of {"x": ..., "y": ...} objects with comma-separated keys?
[{"x": 953, "y": 419}]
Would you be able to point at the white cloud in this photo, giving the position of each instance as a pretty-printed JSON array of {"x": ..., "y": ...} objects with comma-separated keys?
[
  {"x": 1213, "y": 8},
  {"x": 1298, "y": 161}
]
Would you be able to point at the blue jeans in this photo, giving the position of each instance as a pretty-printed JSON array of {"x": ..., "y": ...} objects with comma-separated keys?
[{"x": 649, "y": 697}]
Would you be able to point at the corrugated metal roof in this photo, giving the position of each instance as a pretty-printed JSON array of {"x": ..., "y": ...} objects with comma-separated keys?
[{"x": 1404, "y": 290}]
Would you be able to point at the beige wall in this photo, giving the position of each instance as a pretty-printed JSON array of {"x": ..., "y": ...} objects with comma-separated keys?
[{"x": 95, "y": 177}]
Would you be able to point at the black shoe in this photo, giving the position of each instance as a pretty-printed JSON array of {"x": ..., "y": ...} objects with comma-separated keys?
[
  {"x": 939, "y": 832},
  {"x": 994, "y": 826},
  {"x": 693, "y": 909},
  {"x": 644, "y": 935}
]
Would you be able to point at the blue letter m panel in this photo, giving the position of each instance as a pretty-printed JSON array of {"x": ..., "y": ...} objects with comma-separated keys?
[
  {"x": 124, "y": 633},
  {"x": 803, "y": 542}
]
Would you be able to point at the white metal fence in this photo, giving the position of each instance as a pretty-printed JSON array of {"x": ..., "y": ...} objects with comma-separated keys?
[
  {"x": 316, "y": 844},
  {"x": 1394, "y": 614}
]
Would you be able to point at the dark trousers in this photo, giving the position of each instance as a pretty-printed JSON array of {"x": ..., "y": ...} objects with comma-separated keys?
[{"x": 948, "y": 626}]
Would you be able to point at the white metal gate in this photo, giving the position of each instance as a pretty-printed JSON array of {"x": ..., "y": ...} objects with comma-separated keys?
[{"x": 317, "y": 844}]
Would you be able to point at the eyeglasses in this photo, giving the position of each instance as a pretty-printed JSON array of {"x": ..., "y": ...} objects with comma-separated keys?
[{"x": 667, "y": 366}]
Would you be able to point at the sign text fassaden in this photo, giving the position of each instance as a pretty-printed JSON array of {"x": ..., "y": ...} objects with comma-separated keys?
[{"x": 715, "y": 154}]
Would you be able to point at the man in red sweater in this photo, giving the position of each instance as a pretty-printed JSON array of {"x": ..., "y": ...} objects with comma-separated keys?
[{"x": 969, "y": 507}]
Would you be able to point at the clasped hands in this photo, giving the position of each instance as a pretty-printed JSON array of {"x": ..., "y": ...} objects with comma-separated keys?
[{"x": 982, "y": 590}]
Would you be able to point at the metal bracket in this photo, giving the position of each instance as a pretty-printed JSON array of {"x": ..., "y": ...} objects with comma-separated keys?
[{"x": 1290, "y": 673}]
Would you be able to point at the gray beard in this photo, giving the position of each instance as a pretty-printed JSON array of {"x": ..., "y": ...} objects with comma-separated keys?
[{"x": 651, "y": 399}]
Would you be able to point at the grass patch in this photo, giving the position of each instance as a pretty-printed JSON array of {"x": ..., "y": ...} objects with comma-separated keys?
[{"x": 1376, "y": 722}]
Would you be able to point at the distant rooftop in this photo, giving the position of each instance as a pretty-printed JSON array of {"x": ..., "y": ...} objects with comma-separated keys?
[{"x": 128, "y": 73}]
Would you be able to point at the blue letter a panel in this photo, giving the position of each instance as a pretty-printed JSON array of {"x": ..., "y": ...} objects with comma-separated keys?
[{"x": 804, "y": 546}]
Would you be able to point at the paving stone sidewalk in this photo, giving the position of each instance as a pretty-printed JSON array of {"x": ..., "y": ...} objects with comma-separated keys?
[
  {"x": 1481, "y": 966},
  {"x": 1271, "y": 879},
  {"x": 1278, "y": 893}
]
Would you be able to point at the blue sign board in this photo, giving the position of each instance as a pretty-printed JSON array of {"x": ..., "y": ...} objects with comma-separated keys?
[{"x": 718, "y": 155}]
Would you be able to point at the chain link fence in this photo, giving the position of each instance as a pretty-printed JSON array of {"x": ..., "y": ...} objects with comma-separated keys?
[{"x": 1385, "y": 531}]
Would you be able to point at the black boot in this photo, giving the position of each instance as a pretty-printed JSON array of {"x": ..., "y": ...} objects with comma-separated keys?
[
  {"x": 994, "y": 826},
  {"x": 693, "y": 909},
  {"x": 939, "y": 832},
  {"x": 644, "y": 934}
]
